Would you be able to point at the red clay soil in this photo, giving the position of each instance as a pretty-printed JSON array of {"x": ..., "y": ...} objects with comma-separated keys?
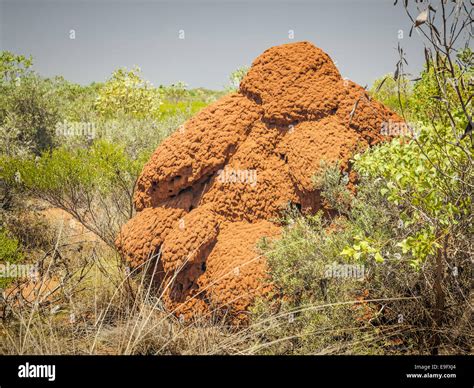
[{"x": 212, "y": 190}]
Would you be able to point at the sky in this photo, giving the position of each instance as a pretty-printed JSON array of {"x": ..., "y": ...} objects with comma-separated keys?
[{"x": 361, "y": 36}]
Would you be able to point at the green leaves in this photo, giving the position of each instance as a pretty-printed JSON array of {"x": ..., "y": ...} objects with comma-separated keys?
[
  {"x": 101, "y": 167},
  {"x": 236, "y": 77},
  {"x": 94, "y": 184},
  {"x": 10, "y": 252},
  {"x": 13, "y": 66},
  {"x": 420, "y": 246},
  {"x": 422, "y": 181},
  {"x": 385, "y": 89},
  {"x": 128, "y": 94},
  {"x": 378, "y": 257},
  {"x": 9, "y": 248},
  {"x": 362, "y": 250}
]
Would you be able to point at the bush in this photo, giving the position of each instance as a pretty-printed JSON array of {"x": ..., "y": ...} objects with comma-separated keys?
[
  {"x": 95, "y": 184},
  {"x": 435, "y": 99},
  {"x": 138, "y": 136},
  {"x": 127, "y": 93},
  {"x": 236, "y": 77},
  {"x": 320, "y": 311},
  {"x": 176, "y": 92},
  {"x": 30, "y": 229},
  {"x": 9, "y": 248},
  {"x": 427, "y": 184},
  {"x": 32, "y": 114},
  {"x": 385, "y": 90},
  {"x": 10, "y": 252},
  {"x": 32, "y": 106},
  {"x": 395, "y": 306}
]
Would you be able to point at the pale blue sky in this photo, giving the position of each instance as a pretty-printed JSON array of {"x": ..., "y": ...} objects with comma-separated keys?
[{"x": 361, "y": 35}]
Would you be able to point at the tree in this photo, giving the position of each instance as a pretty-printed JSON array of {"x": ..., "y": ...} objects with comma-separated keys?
[
  {"x": 176, "y": 92},
  {"x": 13, "y": 66},
  {"x": 128, "y": 94},
  {"x": 237, "y": 76}
]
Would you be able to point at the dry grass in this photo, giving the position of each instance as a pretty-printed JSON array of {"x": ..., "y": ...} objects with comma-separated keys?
[{"x": 96, "y": 306}]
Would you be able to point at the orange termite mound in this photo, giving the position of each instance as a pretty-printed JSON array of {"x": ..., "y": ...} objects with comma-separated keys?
[{"x": 214, "y": 188}]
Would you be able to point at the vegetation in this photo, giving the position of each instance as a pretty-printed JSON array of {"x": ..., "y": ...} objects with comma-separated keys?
[
  {"x": 386, "y": 271},
  {"x": 409, "y": 225},
  {"x": 236, "y": 77},
  {"x": 10, "y": 253}
]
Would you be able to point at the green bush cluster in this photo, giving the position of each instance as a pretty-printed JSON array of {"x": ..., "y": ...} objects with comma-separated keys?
[
  {"x": 424, "y": 183},
  {"x": 10, "y": 252},
  {"x": 314, "y": 309},
  {"x": 94, "y": 184},
  {"x": 81, "y": 148}
]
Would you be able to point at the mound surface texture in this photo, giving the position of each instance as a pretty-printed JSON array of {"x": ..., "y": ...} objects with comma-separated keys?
[{"x": 215, "y": 188}]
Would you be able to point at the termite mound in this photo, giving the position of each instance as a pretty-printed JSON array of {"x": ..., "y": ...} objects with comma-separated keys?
[{"x": 214, "y": 188}]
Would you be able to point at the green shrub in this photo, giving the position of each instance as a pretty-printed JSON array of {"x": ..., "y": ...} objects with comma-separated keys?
[
  {"x": 425, "y": 182},
  {"x": 236, "y": 77},
  {"x": 127, "y": 93},
  {"x": 31, "y": 229},
  {"x": 31, "y": 114},
  {"x": 10, "y": 252},
  {"x": 318, "y": 311},
  {"x": 176, "y": 92},
  {"x": 424, "y": 100},
  {"x": 93, "y": 184},
  {"x": 138, "y": 137},
  {"x": 385, "y": 90},
  {"x": 394, "y": 228}
]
